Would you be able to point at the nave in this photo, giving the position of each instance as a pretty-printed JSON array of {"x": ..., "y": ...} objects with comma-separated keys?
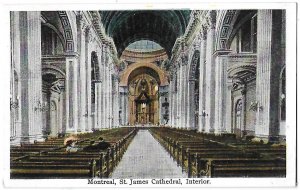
[
  {"x": 146, "y": 158},
  {"x": 148, "y": 153},
  {"x": 209, "y": 85}
]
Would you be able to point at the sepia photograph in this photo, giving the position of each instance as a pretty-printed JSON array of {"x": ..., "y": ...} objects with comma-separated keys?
[{"x": 140, "y": 96}]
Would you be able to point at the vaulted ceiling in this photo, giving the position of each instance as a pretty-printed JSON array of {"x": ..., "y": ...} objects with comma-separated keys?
[{"x": 163, "y": 27}]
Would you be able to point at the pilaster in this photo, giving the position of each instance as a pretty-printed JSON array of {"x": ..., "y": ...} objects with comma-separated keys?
[
  {"x": 210, "y": 71},
  {"x": 31, "y": 76},
  {"x": 83, "y": 114},
  {"x": 269, "y": 23},
  {"x": 202, "y": 80},
  {"x": 221, "y": 77},
  {"x": 72, "y": 92}
]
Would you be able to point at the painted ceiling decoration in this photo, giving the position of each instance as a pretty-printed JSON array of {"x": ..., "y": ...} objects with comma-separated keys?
[{"x": 162, "y": 27}]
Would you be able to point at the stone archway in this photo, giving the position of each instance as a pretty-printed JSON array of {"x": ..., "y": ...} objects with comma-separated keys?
[
  {"x": 142, "y": 105},
  {"x": 53, "y": 101},
  {"x": 143, "y": 100},
  {"x": 69, "y": 41},
  {"x": 225, "y": 27},
  {"x": 125, "y": 76}
]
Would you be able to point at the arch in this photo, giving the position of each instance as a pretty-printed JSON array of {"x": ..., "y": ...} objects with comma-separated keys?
[
  {"x": 225, "y": 27},
  {"x": 229, "y": 23},
  {"x": 143, "y": 99},
  {"x": 194, "y": 63},
  {"x": 59, "y": 34},
  {"x": 125, "y": 76},
  {"x": 242, "y": 71},
  {"x": 69, "y": 39},
  {"x": 49, "y": 69}
]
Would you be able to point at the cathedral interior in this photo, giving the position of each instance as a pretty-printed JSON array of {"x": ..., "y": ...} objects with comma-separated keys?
[{"x": 208, "y": 85}]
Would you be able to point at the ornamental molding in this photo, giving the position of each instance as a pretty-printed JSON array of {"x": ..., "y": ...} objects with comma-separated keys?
[
  {"x": 196, "y": 29},
  {"x": 243, "y": 72},
  {"x": 108, "y": 41},
  {"x": 69, "y": 41}
]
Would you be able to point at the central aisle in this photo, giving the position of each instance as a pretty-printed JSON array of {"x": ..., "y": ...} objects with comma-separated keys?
[{"x": 146, "y": 158}]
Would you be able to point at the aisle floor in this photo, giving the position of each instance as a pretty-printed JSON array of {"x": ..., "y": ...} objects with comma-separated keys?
[{"x": 146, "y": 158}]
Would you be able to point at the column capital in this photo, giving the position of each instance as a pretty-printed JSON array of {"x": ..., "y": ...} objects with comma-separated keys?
[
  {"x": 87, "y": 29},
  {"x": 184, "y": 57},
  {"x": 211, "y": 19},
  {"x": 81, "y": 22},
  {"x": 203, "y": 32}
]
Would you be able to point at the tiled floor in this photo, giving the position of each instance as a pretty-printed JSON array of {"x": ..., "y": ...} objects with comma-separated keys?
[{"x": 146, "y": 158}]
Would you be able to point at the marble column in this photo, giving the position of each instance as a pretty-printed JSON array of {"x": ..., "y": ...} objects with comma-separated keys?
[
  {"x": 202, "y": 82},
  {"x": 106, "y": 110},
  {"x": 97, "y": 106},
  {"x": 210, "y": 71},
  {"x": 71, "y": 92},
  {"x": 182, "y": 95},
  {"x": 103, "y": 88},
  {"x": 188, "y": 107},
  {"x": 126, "y": 106},
  {"x": 170, "y": 123},
  {"x": 100, "y": 106},
  {"x": 175, "y": 99},
  {"x": 15, "y": 135},
  {"x": 171, "y": 90},
  {"x": 89, "y": 48},
  {"x": 110, "y": 103},
  {"x": 269, "y": 55},
  {"x": 62, "y": 125},
  {"x": 116, "y": 102},
  {"x": 123, "y": 105},
  {"x": 229, "y": 106},
  {"x": 160, "y": 108},
  {"x": 104, "y": 116},
  {"x": 179, "y": 95},
  {"x": 191, "y": 104},
  {"x": 221, "y": 76},
  {"x": 185, "y": 104},
  {"x": 31, "y": 76},
  {"x": 82, "y": 73}
]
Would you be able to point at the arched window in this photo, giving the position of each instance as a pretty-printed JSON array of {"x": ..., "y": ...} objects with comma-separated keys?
[{"x": 94, "y": 74}]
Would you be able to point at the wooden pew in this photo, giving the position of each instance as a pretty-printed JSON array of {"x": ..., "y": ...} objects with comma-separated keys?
[
  {"x": 85, "y": 169},
  {"x": 246, "y": 168},
  {"x": 86, "y": 164},
  {"x": 189, "y": 147}
]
